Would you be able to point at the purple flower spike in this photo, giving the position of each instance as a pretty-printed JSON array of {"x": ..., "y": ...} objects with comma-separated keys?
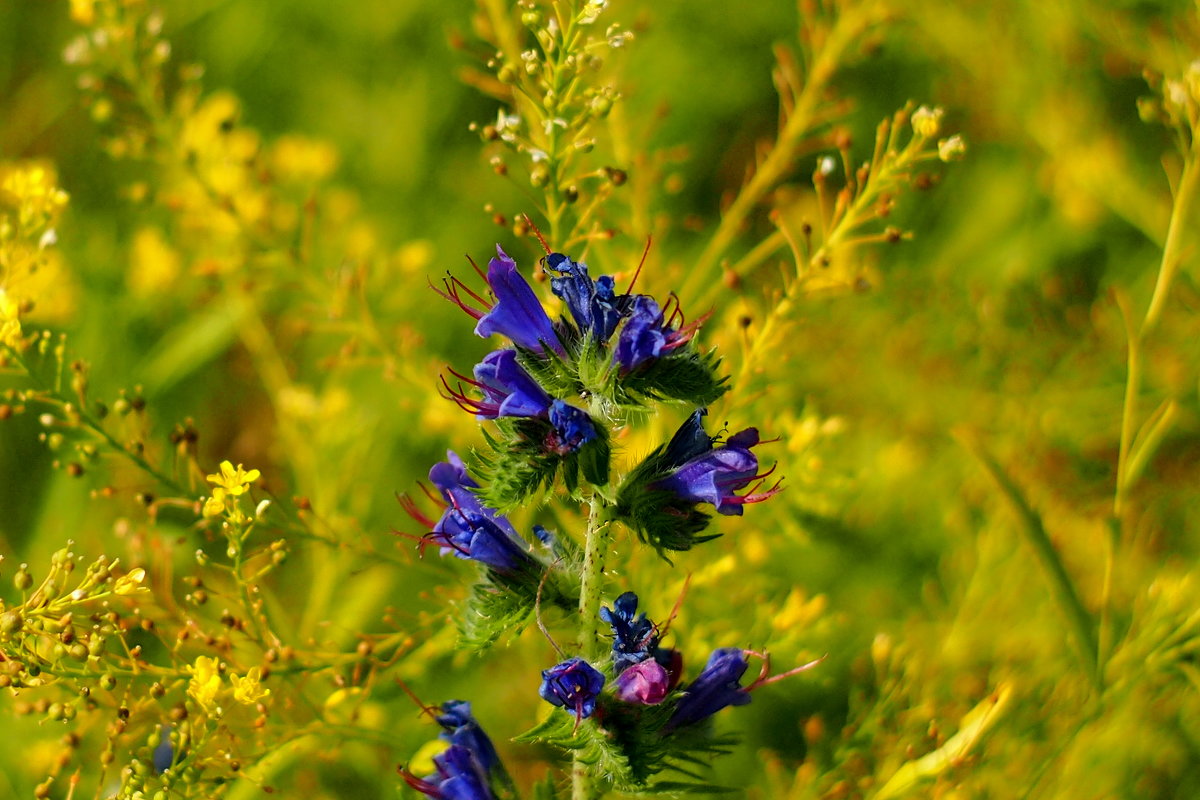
[
  {"x": 517, "y": 313},
  {"x": 574, "y": 685},
  {"x": 645, "y": 683},
  {"x": 718, "y": 686},
  {"x": 715, "y": 476}
]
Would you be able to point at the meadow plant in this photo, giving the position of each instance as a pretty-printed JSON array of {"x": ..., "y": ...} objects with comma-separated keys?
[{"x": 609, "y": 556}]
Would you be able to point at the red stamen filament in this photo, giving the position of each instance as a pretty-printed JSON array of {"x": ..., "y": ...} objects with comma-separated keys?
[{"x": 645, "y": 253}]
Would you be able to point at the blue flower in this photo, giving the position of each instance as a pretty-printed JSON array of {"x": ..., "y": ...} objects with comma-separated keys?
[
  {"x": 718, "y": 686},
  {"x": 649, "y": 333},
  {"x": 507, "y": 389},
  {"x": 634, "y": 636},
  {"x": 459, "y": 727},
  {"x": 470, "y": 529},
  {"x": 594, "y": 305},
  {"x": 573, "y": 428},
  {"x": 573, "y": 684},
  {"x": 459, "y": 776},
  {"x": 515, "y": 313},
  {"x": 164, "y": 754},
  {"x": 707, "y": 474}
]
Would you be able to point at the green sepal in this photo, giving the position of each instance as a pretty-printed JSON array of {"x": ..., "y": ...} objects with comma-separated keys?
[
  {"x": 629, "y": 749},
  {"x": 686, "y": 376},
  {"x": 503, "y": 603},
  {"x": 515, "y": 465},
  {"x": 553, "y": 373},
  {"x": 660, "y": 518}
]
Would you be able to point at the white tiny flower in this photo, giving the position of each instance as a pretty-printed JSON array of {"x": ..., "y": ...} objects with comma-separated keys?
[
  {"x": 551, "y": 123},
  {"x": 507, "y": 121},
  {"x": 952, "y": 149},
  {"x": 49, "y": 239},
  {"x": 826, "y": 165},
  {"x": 261, "y": 508},
  {"x": 927, "y": 121},
  {"x": 538, "y": 155},
  {"x": 77, "y": 51}
]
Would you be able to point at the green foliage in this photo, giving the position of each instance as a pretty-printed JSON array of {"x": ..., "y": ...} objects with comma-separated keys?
[{"x": 686, "y": 376}]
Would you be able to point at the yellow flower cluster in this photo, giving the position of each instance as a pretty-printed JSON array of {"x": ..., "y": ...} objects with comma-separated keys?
[
  {"x": 206, "y": 686},
  {"x": 30, "y": 205},
  {"x": 228, "y": 485}
]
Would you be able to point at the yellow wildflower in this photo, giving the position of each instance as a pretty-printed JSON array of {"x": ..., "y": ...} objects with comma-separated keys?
[
  {"x": 215, "y": 506},
  {"x": 233, "y": 481},
  {"x": 926, "y": 121},
  {"x": 10, "y": 324},
  {"x": 130, "y": 582},
  {"x": 249, "y": 690},
  {"x": 205, "y": 684},
  {"x": 83, "y": 11}
]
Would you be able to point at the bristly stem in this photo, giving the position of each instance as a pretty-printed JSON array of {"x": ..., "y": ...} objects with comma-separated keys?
[{"x": 599, "y": 536}]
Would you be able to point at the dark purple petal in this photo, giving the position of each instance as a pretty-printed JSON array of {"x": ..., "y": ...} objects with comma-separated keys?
[
  {"x": 574, "y": 685},
  {"x": 462, "y": 777},
  {"x": 476, "y": 537},
  {"x": 594, "y": 306},
  {"x": 517, "y": 313},
  {"x": 718, "y": 686},
  {"x": 573, "y": 428},
  {"x": 451, "y": 479},
  {"x": 645, "y": 683},
  {"x": 714, "y": 476},
  {"x": 509, "y": 388},
  {"x": 634, "y": 636},
  {"x": 689, "y": 441},
  {"x": 643, "y": 337},
  {"x": 461, "y": 728}
]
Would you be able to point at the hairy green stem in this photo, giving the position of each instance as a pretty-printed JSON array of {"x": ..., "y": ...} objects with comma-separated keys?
[{"x": 595, "y": 550}]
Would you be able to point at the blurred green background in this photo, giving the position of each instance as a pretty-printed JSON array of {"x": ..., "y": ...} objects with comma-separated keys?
[{"x": 891, "y": 550}]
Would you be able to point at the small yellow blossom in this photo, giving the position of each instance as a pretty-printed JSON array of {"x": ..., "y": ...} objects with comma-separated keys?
[
  {"x": 205, "y": 684},
  {"x": 10, "y": 324},
  {"x": 215, "y": 506},
  {"x": 233, "y": 481},
  {"x": 952, "y": 149},
  {"x": 83, "y": 11},
  {"x": 131, "y": 582},
  {"x": 926, "y": 121},
  {"x": 249, "y": 690}
]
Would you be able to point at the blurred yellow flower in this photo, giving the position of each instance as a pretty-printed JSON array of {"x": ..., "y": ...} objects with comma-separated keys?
[
  {"x": 154, "y": 264},
  {"x": 233, "y": 480},
  {"x": 10, "y": 324},
  {"x": 249, "y": 690},
  {"x": 205, "y": 683},
  {"x": 83, "y": 11}
]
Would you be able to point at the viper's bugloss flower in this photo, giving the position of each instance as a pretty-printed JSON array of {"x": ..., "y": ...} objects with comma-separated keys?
[
  {"x": 594, "y": 305},
  {"x": 651, "y": 332},
  {"x": 507, "y": 389},
  {"x": 645, "y": 683},
  {"x": 459, "y": 776},
  {"x": 714, "y": 474},
  {"x": 634, "y": 636},
  {"x": 573, "y": 428},
  {"x": 460, "y": 728},
  {"x": 516, "y": 311},
  {"x": 574, "y": 685},
  {"x": 718, "y": 686},
  {"x": 470, "y": 529}
]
